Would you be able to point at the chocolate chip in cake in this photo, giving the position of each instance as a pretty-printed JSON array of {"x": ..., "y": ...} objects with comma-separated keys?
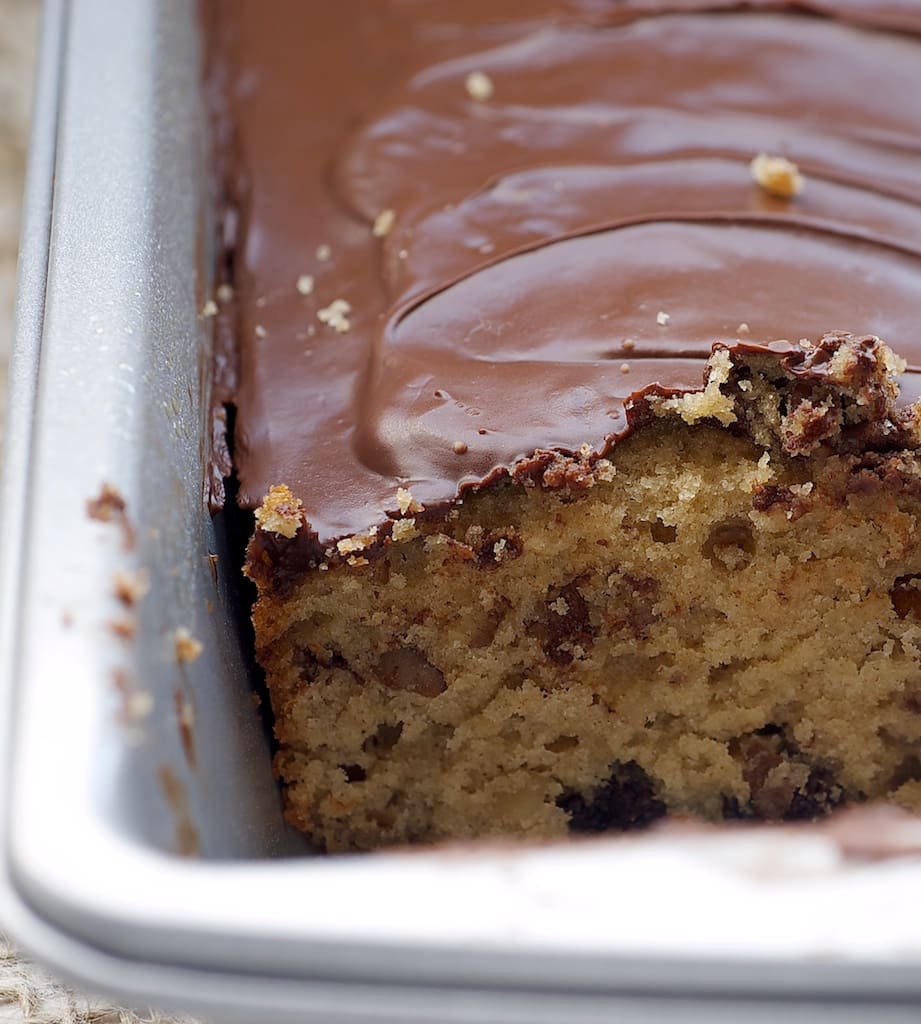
[{"x": 627, "y": 800}]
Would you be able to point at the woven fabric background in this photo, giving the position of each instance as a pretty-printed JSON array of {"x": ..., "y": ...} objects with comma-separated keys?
[{"x": 29, "y": 995}]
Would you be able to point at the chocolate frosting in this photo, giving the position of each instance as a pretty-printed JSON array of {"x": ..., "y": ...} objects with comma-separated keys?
[{"x": 538, "y": 232}]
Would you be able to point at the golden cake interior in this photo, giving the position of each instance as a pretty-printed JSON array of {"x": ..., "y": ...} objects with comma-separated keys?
[{"x": 721, "y": 618}]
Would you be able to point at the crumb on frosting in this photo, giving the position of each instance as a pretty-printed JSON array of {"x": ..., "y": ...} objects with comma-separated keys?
[
  {"x": 225, "y": 292},
  {"x": 460, "y": 447},
  {"x": 304, "y": 284},
  {"x": 336, "y": 315},
  {"x": 383, "y": 223},
  {"x": 479, "y": 86},
  {"x": 777, "y": 175},
  {"x": 662, "y": 319},
  {"x": 406, "y": 502},
  {"x": 209, "y": 309},
  {"x": 280, "y": 512}
]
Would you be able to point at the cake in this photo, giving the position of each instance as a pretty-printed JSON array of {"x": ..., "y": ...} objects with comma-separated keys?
[{"x": 571, "y": 351}]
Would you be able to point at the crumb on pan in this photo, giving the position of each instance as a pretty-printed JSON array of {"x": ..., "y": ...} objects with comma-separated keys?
[
  {"x": 187, "y": 647},
  {"x": 109, "y": 506},
  {"x": 185, "y": 720},
  {"x": 136, "y": 704},
  {"x": 130, "y": 586},
  {"x": 187, "y": 842},
  {"x": 124, "y": 627}
]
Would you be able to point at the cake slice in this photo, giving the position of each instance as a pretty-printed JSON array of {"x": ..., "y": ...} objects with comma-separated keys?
[
  {"x": 721, "y": 617},
  {"x": 584, "y": 489}
]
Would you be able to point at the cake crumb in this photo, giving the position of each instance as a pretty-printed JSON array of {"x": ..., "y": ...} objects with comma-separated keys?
[
  {"x": 259, "y": 331},
  {"x": 225, "y": 293},
  {"x": 628, "y": 344},
  {"x": 662, "y": 319},
  {"x": 403, "y": 530},
  {"x": 406, "y": 502},
  {"x": 710, "y": 403},
  {"x": 777, "y": 175},
  {"x": 585, "y": 450},
  {"x": 383, "y": 223},
  {"x": 479, "y": 86},
  {"x": 187, "y": 647},
  {"x": 335, "y": 315},
  {"x": 743, "y": 328},
  {"x": 356, "y": 560},
  {"x": 324, "y": 253},
  {"x": 500, "y": 550},
  {"x": 559, "y": 606},
  {"x": 460, "y": 447},
  {"x": 359, "y": 542},
  {"x": 136, "y": 705},
  {"x": 605, "y": 470},
  {"x": 109, "y": 507},
  {"x": 209, "y": 309},
  {"x": 280, "y": 512},
  {"x": 123, "y": 627},
  {"x": 185, "y": 720},
  {"x": 802, "y": 490},
  {"x": 304, "y": 284},
  {"x": 130, "y": 587},
  {"x": 624, "y": 367}
]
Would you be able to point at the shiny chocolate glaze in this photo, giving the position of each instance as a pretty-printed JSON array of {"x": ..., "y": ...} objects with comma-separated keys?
[{"x": 539, "y": 231}]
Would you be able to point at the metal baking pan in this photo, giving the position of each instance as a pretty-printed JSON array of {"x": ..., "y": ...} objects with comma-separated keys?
[{"x": 143, "y": 848}]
